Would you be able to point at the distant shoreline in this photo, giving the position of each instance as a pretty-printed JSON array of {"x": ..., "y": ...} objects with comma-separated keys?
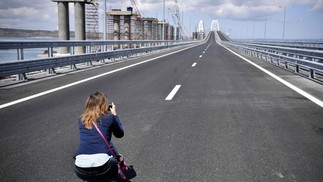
[{"x": 23, "y": 33}]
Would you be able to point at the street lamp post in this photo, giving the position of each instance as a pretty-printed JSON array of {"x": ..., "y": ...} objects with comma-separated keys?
[
  {"x": 105, "y": 21},
  {"x": 283, "y": 36},
  {"x": 163, "y": 32},
  {"x": 265, "y": 28},
  {"x": 284, "y": 22}
]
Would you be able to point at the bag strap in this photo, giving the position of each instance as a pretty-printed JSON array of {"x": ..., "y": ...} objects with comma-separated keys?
[{"x": 105, "y": 140}]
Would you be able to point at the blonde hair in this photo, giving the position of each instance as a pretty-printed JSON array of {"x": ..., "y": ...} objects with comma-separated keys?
[{"x": 96, "y": 106}]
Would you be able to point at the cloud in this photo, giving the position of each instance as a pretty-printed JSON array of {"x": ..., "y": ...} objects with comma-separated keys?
[
  {"x": 233, "y": 9},
  {"x": 239, "y": 9},
  {"x": 18, "y": 12},
  {"x": 318, "y": 6},
  {"x": 36, "y": 14},
  {"x": 230, "y": 9},
  {"x": 37, "y": 11}
]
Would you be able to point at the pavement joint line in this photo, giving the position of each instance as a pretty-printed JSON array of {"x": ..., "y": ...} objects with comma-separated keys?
[
  {"x": 173, "y": 92},
  {"x": 87, "y": 79},
  {"x": 291, "y": 86}
]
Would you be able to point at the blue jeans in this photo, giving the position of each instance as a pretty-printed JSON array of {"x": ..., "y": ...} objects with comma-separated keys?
[{"x": 102, "y": 173}]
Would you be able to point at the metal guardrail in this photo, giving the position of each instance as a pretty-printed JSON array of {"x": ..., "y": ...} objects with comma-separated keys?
[
  {"x": 295, "y": 59},
  {"x": 309, "y": 54},
  {"x": 303, "y": 44},
  {"x": 20, "y": 67},
  {"x": 74, "y": 43}
]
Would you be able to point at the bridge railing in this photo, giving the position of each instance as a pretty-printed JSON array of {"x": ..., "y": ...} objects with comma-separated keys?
[
  {"x": 306, "y": 44},
  {"x": 305, "y": 62},
  {"x": 111, "y": 50}
]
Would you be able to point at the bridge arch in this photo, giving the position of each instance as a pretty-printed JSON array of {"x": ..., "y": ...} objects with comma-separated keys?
[{"x": 215, "y": 25}]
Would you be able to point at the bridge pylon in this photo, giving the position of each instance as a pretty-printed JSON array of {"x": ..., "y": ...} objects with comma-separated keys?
[
  {"x": 63, "y": 22},
  {"x": 215, "y": 25}
]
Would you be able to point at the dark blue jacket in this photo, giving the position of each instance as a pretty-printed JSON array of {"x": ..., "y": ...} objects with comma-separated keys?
[{"x": 91, "y": 141}]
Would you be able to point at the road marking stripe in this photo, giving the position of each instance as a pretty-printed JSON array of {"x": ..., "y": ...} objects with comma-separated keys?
[
  {"x": 194, "y": 64},
  {"x": 200, "y": 56},
  {"x": 173, "y": 92},
  {"x": 293, "y": 87},
  {"x": 85, "y": 80}
]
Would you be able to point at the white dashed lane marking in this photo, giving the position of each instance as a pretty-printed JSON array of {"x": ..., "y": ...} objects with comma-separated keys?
[{"x": 173, "y": 92}]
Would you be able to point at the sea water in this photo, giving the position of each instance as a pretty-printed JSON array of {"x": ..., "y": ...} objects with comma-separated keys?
[{"x": 11, "y": 54}]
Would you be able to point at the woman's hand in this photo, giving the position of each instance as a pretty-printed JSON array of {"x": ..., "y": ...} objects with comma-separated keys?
[{"x": 113, "y": 110}]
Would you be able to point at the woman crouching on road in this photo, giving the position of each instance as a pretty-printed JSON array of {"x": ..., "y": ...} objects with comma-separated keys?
[{"x": 93, "y": 160}]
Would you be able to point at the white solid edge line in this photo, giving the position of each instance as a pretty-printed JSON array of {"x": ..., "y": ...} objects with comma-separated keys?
[
  {"x": 173, "y": 92},
  {"x": 84, "y": 80},
  {"x": 194, "y": 64},
  {"x": 293, "y": 87}
]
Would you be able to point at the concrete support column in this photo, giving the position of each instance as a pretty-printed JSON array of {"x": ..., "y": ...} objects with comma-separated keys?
[
  {"x": 116, "y": 27},
  {"x": 154, "y": 29},
  {"x": 177, "y": 33},
  {"x": 127, "y": 27},
  {"x": 159, "y": 31},
  {"x": 143, "y": 30},
  {"x": 166, "y": 30},
  {"x": 170, "y": 33},
  {"x": 63, "y": 25},
  {"x": 150, "y": 29},
  {"x": 79, "y": 10},
  {"x": 116, "y": 30}
]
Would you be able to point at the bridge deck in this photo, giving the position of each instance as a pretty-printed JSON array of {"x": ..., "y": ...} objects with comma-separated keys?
[{"x": 229, "y": 121}]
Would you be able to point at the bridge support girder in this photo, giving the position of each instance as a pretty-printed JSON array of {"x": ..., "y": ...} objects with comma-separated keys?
[
  {"x": 63, "y": 25},
  {"x": 63, "y": 22}
]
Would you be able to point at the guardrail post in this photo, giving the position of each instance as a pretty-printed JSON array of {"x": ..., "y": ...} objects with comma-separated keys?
[
  {"x": 73, "y": 67},
  {"x": 278, "y": 61},
  {"x": 88, "y": 63},
  {"x": 296, "y": 68},
  {"x": 72, "y": 50},
  {"x": 50, "y": 53},
  {"x": 20, "y": 56},
  {"x": 51, "y": 71},
  {"x": 286, "y": 65},
  {"x": 21, "y": 76},
  {"x": 311, "y": 73}
]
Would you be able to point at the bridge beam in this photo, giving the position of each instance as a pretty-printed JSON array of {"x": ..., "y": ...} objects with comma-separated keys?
[
  {"x": 79, "y": 11},
  {"x": 63, "y": 25}
]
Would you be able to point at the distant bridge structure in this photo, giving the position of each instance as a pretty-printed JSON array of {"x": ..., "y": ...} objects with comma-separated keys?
[
  {"x": 215, "y": 25},
  {"x": 200, "y": 30}
]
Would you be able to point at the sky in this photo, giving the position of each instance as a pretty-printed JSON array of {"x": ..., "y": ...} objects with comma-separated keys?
[{"x": 241, "y": 19}]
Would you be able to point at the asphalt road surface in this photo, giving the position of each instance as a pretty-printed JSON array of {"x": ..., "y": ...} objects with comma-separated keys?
[{"x": 226, "y": 121}]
